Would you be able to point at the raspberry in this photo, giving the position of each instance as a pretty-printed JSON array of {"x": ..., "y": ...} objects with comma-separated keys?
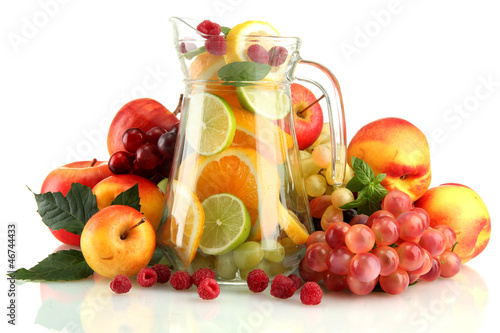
[
  {"x": 163, "y": 273},
  {"x": 209, "y": 28},
  {"x": 202, "y": 274},
  {"x": 120, "y": 284},
  {"x": 311, "y": 293},
  {"x": 296, "y": 280},
  {"x": 216, "y": 45},
  {"x": 257, "y": 280},
  {"x": 277, "y": 55},
  {"x": 208, "y": 289},
  {"x": 257, "y": 53},
  {"x": 147, "y": 277},
  {"x": 186, "y": 47},
  {"x": 282, "y": 287},
  {"x": 181, "y": 280}
]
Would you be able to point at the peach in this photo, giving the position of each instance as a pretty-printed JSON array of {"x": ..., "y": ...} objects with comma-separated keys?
[
  {"x": 397, "y": 148},
  {"x": 152, "y": 199},
  {"x": 462, "y": 209}
]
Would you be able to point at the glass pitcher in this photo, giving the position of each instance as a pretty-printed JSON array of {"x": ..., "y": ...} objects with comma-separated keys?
[{"x": 236, "y": 198}]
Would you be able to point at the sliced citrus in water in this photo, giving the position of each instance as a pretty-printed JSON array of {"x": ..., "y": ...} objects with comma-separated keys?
[
  {"x": 205, "y": 66},
  {"x": 211, "y": 124},
  {"x": 243, "y": 173},
  {"x": 185, "y": 224},
  {"x": 227, "y": 224},
  {"x": 259, "y": 133},
  {"x": 270, "y": 103},
  {"x": 292, "y": 226}
]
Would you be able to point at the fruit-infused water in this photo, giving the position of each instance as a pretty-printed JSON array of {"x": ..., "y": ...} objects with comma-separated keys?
[{"x": 236, "y": 199}]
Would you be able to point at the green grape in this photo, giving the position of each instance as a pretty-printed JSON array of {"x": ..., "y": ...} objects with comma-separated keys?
[
  {"x": 201, "y": 260},
  {"x": 273, "y": 251},
  {"x": 248, "y": 255},
  {"x": 315, "y": 185},
  {"x": 307, "y": 164},
  {"x": 225, "y": 266},
  {"x": 342, "y": 196}
]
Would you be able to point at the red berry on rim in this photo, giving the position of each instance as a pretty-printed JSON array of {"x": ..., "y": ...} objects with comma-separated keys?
[
  {"x": 208, "y": 27},
  {"x": 147, "y": 277},
  {"x": 257, "y": 280},
  {"x": 163, "y": 273},
  {"x": 216, "y": 45},
  {"x": 277, "y": 55},
  {"x": 202, "y": 274},
  {"x": 208, "y": 289},
  {"x": 282, "y": 287},
  {"x": 181, "y": 280},
  {"x": 311, "y": 293},
  {"x": 257, "y": 53},
  {"x": 120, "y": 284}
]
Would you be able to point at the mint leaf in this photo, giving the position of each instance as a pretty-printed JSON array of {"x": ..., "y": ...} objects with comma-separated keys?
[
  {"x": 243, "y": 71},
  {"x": 379, "y": 178},
  {"x": 64, "y": 265},
  {"x": 70, "y": 212},
  {"x": 225, "y": 30},
  {"x": 362, "y": 171},
  {"x": 193, "y": 53},
  {"x": 379, "y": 192},
  {"x": 129, "y": 198},
  {"x": 354, "y": 185},
  {"x": 360, "y": 201}
]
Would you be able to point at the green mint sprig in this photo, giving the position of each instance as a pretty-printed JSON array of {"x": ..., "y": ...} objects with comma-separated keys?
[{"x": 367, "y": 185}]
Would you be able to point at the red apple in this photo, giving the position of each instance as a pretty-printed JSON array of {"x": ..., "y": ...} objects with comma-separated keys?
[
  {"x": 88, "y": 173},
  {"x": 307, "y": 117},
  {"x": 144, "y": 113}
]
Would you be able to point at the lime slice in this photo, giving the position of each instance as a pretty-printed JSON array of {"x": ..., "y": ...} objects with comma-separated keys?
[
  {"x": 211, "y": 124},
  {"x": 272, "y": 104},
  {"x": 227, "y": 224}
]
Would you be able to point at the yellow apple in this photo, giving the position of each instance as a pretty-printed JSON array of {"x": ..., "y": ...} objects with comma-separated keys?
[{"x": 118, "y": 240}]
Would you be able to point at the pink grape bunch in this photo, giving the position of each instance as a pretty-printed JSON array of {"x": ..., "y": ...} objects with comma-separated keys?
[
  {"x": 394, "y": 247},
  {"x": 146, "y": 154}
]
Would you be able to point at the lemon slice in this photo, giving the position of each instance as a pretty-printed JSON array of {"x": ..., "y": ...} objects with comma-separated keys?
[
  {"x": 211, "y": 124},
  {"x": 227, "y": 224},
  {"x": 270, "y": 103},
  {"x": 292, "y": 226}
]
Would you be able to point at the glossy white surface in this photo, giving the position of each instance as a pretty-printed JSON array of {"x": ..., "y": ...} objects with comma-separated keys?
[{"x": 434, "y": 64}]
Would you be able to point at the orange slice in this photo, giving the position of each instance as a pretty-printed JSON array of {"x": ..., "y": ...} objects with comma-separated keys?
[
  {"x": 292, "y": 226},
  {"x": 257, "y": 132},
  {"x": 205, "y": 66},
  {"x": 184, "y": 226}
]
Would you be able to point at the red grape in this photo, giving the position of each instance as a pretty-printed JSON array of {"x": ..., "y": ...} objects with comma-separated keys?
[
  {"x": 359, "y": 238},
  {"x": 396, "y": 282},
  {"x": 335, "y": 234},
  {"x": 166, "y": 143},
  {"x": 121, "y": 162},
  {"x": 422, "y": 212},
  {"x": 389, "y": 259},
  {"x": 334, "y": 282},
  {"x": 148, "y": 156},
  {"x": 316, "y": 256},
  {"x": 365, "y": 267},
  {"x": 411, "y": 226},
  {"x": 386, "y": 230},
  {"x": 359, "y": 219},
  {"x": 411, "y": 256},
  {"x": 426, "y": 266},
  {"x": 137, "y": 170},
  {"x": 133, "y": 138},
  {"x": 450, "y": 264},
  {"x": 307, "y": 274},
  {"x": 165, "y": 167},
  {"x": 377, "y": 214},
  {"x": 433, "y": 241},
  {"x": 397, "y": 202},
  {"x": 338, "y": 260},
  {"x": 154, "y": 134},
  {"x": 316, "y": 237},
  {"x": 433, "y": 273},
  {"x": 449, "y": 234},
  {"x": 359, "y": 287}
]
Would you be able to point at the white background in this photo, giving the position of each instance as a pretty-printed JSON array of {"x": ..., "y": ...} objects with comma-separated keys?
[{"x": 68, "y": 66}]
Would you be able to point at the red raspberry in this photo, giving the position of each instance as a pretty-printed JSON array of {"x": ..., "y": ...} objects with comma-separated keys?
[
  {"x": 209, "y": 28},
  {"x": 216, "y": 45},
  {"x": 257, "y": 280},
  {"x": 147, "y": 277},
  {"x": 202, "y": 274},
  {"x": 163, "y": 273},
  {"x": 296, "y": 280},
  {"x": 282, "y": 287},
  {"x": 120, "y": 284},
  {"x": 311, "y": 293},
  {"x": 181, "y": 280},
  {"x": 208, "y": 289},
  {"x": 277, "y": 55},
  {"x": 257, "y": 53}
]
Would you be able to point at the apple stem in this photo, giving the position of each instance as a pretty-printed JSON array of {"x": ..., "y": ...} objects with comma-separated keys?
[
  {"x": 310, "y": 105},
  {"x": 135, "y": 225},
  {"x": 178, "y": 108},
  {"x": 93, "y": 162}
]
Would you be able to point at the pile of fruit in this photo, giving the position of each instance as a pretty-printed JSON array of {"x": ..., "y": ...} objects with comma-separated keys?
[{"x": 384, "y": 229}]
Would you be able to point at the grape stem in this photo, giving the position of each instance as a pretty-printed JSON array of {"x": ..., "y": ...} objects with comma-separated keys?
[
  {"x": 134, "y": 226},
  {"x": 178, "y": 108}
]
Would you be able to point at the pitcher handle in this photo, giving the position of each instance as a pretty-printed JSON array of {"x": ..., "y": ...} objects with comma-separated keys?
[{"x": 338, "y": 132}]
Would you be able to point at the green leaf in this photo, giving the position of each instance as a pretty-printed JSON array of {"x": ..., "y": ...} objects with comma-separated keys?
[
  {"x": 193, "y": 53},
  {"x": 64, "y": 265},
  {"x": 129, "y": 198},
  {"x": 354, "y": 185},
  {"x": 225, "y": 30},
  {"x": 362, "y": 171},
  {"x": 379, "y": 178},
  {"x": 379, "y": 192},
  {"x": 354, "y": 204},
  {"x": 243, "y": 71},
  {"x": 70, "y": 212}
]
